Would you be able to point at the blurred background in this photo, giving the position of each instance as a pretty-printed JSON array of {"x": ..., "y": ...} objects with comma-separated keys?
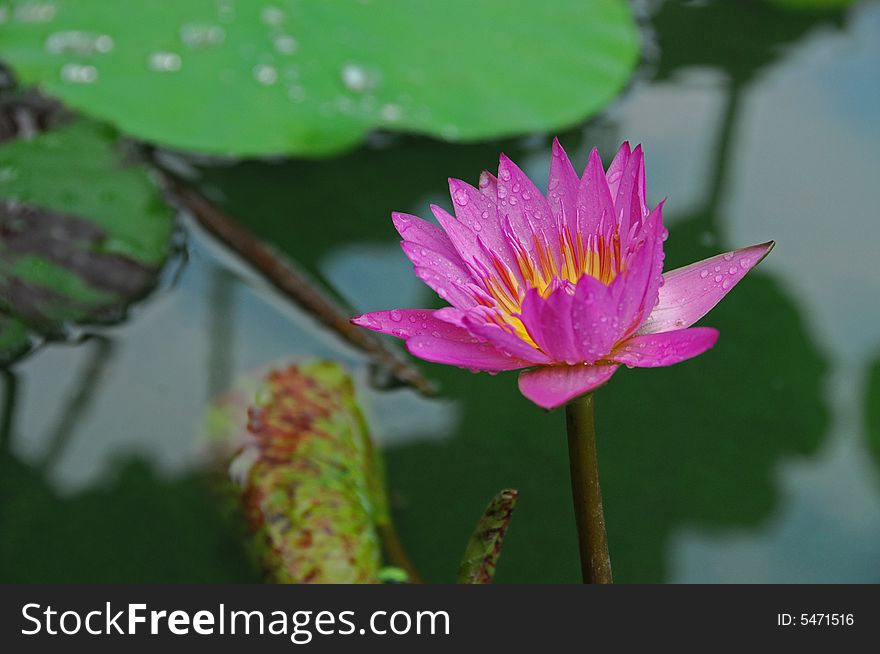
[{"x": 308, "y": 123}]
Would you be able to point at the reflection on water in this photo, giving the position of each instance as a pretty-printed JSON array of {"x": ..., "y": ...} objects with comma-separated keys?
[{"x": 746, "y": 464}]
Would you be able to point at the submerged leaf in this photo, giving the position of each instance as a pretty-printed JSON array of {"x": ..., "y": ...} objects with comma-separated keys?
[
  {"x": 82, "y": 234},
  {"x": 483, "y": 549},
  {"x": 312, "y": 77},
  {"x": 313, "y": 491}
]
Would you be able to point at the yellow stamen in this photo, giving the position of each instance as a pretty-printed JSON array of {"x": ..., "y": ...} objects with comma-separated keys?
[{"x": 598, "y": 257}]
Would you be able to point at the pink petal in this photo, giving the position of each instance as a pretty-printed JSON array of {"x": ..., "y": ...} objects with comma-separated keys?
[
  {"x": 451, "y": 315},
  {"x": 505, "y": 341},
  {"x": 549, "y": 322},
  {"x": 629, "y": 199},
  {"x": 463, "y": 238},
  {"x": 665, "y": 348},
  {"x": 594, "y": 204},
  {"x": 415, "y": 230},
  {"x": 473, "y": 356},
  {"x": 489, "y": 185},
  {"x": 406, "y": 323},
  {"x": 562, "y": 188},
  {"x": 526, "y": 207},
  {"x": 689, "y": 293},
  {"x": 592, "y": 313},
  {"x": 636, "y": 288},
  {"x": 423, "y": 257},
  {"x": 475, "y": 209},
  {"x": 467, "y": 238},
  {"x": 618, "y": 165},
  {"x": 448, "y": 290},
  {"x": 553, "y": 386}
]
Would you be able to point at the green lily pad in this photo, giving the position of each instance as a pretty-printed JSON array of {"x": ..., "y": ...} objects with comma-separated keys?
[
  {"x": 82, "y": 232},
  {"x": 312, "y": 77}
]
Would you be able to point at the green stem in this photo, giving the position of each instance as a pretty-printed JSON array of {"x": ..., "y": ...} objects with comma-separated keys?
[{"x": 586, "y": 492}]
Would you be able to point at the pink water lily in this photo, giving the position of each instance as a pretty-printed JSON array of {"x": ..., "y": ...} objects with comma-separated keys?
[{"x": 567, "y": 285}]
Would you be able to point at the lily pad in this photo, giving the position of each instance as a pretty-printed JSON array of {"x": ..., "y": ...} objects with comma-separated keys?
[
  {"x": 82, "y": 232},
  {"x": 312, "y": 77}
]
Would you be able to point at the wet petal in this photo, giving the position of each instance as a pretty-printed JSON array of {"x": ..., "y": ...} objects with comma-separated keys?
[
  {"x": 406, "y": 323},
  {"x": 505, "y": 341},
  {"x": 562, "y": 188},
  {"x": 629, "y": 199},
  {"x": 469, "y": 232},
  {"x": 448, "y": 290},
  {"x": 689, "y": 293},
  {"x": 423, "y": 257},
  {"x": 473, "y": 356},
  {"x": 615, "y": 170},
  {"x": 593, "y": 319},
  {"x": 553, "y": 386},
  {"x": 594, "y": 204},
  {"x": 666, "y": 348},
  {"x": 549, "y": 322},
  {"x": 520, "y": 201},
  {"x": 415, "y": 230},
  {"x": 636, "y": 288},
  {"x": 489, "y": 185}
]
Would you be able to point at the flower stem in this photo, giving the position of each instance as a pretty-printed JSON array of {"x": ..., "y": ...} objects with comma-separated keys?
[{"x": 586, "y": 492}]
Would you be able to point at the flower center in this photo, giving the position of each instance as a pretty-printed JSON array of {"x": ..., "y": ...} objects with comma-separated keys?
[{"x": 598, "y": 256}]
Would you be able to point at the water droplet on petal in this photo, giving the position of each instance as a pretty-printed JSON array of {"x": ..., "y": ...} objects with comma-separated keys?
[
  {"x": 704, "y": 273},
  {"x": 718, "y": 278},
  {"x": 395, "y": 315}
]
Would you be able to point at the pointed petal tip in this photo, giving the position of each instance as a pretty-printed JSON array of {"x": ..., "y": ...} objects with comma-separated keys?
[
  {"x": 768, "y": 248},
  {"x": 504, "y": 161}
]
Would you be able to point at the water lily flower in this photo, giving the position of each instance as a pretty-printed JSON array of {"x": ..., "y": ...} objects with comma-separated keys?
[{"x": 566, "y": 285}]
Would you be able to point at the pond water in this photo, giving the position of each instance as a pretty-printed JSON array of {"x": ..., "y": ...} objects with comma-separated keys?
[{"x": 758, "y": 462}]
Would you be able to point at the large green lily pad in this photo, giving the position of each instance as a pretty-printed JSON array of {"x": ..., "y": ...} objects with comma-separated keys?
[
  {"x": 82, "y": 232},
  {"x": 312, "y": 77}
]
